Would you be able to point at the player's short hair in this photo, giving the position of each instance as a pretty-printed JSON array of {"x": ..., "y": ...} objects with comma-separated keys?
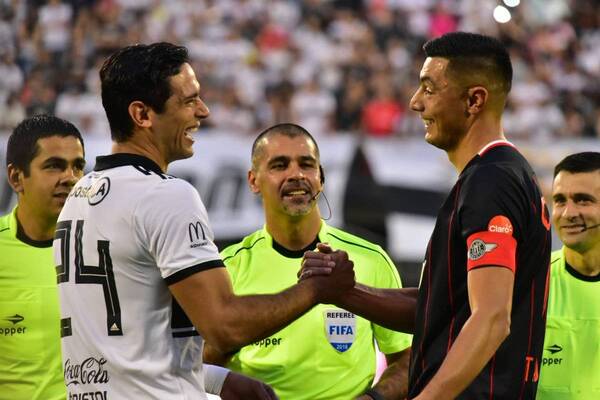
[
  {"x": 138, "y": 73},
  {"x": 22, "y": 146},
  {"x": 286, "y": 129},
  {"x": 472, "y": 56},
  {"x": 587, "y": 161}
]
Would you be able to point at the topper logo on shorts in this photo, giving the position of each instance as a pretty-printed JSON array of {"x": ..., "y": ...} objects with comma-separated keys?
[
  {"x": 340, "y": 328},
  {"x": 479, "y": 248},
  {"x": 13, "y": 330},
  {"x": 500, "y": 224}
]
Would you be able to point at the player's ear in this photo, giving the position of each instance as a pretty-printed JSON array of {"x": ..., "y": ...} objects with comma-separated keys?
[
  {"x": 477, "y": 97},
  {"x": 140, "y": 114},
  {"x": 252, "y": 182},
  {"x": 15, "y": 178}
]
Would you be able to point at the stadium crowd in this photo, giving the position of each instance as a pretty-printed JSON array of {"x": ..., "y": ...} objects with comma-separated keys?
[{"x": 329, "y": 65}]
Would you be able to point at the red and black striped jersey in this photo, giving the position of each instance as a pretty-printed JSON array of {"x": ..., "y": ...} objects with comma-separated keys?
[{"x": 495, "y": 215}]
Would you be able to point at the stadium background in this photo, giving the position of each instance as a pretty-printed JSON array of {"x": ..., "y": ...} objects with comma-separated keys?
[{"x": 345, "y": 70}]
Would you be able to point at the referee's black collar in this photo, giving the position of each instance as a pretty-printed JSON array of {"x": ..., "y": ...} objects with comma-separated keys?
[
  {"x": 122, "y": 159},
  {"x": 294, "y": 253}
]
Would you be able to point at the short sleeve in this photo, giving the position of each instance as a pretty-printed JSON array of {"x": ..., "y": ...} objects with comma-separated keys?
[
  {"x": 172, "y": 223},
  {"x": 490, "y": 216},
  {"x": 387, "y": 277}
]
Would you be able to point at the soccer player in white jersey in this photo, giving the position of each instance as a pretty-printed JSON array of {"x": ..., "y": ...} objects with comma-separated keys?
[{"x": 135, "y": 254}]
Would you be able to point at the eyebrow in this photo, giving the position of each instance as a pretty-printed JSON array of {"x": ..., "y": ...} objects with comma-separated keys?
[
  {"x": 60, "y": 160},
  {"x": 287, "y": 159}
]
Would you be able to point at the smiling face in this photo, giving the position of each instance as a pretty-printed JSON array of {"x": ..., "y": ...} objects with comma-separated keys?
[
  {"x": 441, "y": 104},
  {"x": 576, "y": 209},
  {"x": 57, "y": 166},
  {"x": 286, "y": 174},
  {"x": 181, "y": 117}
]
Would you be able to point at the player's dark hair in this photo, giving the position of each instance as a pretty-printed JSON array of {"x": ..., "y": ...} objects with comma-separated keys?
[
  {"x": 587, "y": 161},
  {"x": 286, "y": 129},
  {"x": 472, "y": 53},
  {"x": 22, "y": 146},
  {"x": 138, "y": 73}
]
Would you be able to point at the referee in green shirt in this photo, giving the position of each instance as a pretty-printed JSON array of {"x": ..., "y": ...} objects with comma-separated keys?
[
  {"x": 328, "y": 353},
  {"x": 45, "y": 158},
  {"x": 571, "y": 358}
]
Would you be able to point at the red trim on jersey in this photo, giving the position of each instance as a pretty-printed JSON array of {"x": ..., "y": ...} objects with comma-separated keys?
[
  {"x": 495, "y": 143},
  {"x": 450, "y": 257},
  {"x": 492, "y": 367},
  {"x": 546, "y": 291},
  {"x": 490, "y": 249},
  {"x": 426, "y": 306}
]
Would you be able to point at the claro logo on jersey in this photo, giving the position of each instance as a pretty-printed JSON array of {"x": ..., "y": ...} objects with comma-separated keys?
[
  {"x": 14, "y": 327},
  {"x": 196, "y": 234},
  {"x": 340, "y": 328},
  {"x": 500, "y": 224}
]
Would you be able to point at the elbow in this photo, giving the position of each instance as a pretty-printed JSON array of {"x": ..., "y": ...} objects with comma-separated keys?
[{"x": 227, "y": 338}]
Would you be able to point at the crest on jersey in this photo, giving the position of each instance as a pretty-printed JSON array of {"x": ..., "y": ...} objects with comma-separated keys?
[
  {"x": 99, "y": 191},
  {"x": 479, "y": 248},
  {"x": 340, "y": 328}
]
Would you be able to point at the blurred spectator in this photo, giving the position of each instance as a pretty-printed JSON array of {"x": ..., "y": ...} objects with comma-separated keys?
[
  {"x": 382, "y": 115},
  {"x": 313, "y": 108},
  {"x": 261, "y": 58}
]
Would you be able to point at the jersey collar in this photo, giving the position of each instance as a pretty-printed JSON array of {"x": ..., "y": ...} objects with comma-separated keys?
[
  {"x": 495, "y": 143},
  {"x": 295, "y": 253},
  {"x": 123, "y": 159}
]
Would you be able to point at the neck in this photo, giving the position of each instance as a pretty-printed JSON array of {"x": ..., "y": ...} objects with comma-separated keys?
[
  {"x": 587, "y": 263},
  {"x": 35, "y": 226},
  {"x": 294, "y": 233},
  {"x": 484, "y": 130},
  {"x": 141, "y": 143}
]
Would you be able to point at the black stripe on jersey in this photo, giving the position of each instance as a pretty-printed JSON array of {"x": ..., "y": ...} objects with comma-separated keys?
[
  {"x": 181, "y": 326},
  {"x": 244, "y": 248},
  {"x": 5, "y": 229},
  {"x": 184, "y": 273},
  {"x": 65, "y": 327},
  {"x": 364, "y": 247}
]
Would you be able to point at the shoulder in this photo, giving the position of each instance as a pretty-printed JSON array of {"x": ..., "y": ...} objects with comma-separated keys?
[
  {"x": 556, "y": 256},
  {"x": 355, "y": 245},
  {"x": 247, "y": 245},
  {"x": 557, "y": 262},
  {"x": 4, "y": 223}
]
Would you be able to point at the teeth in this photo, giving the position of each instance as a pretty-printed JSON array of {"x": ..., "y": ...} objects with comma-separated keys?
[{"x": 295, "y": 192}]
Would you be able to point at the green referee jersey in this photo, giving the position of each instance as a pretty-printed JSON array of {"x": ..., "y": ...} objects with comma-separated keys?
[
  {"x": 571, "y": 359},
  {"x": 30, "y": 358},
  {"x": 328, "y": 353}
]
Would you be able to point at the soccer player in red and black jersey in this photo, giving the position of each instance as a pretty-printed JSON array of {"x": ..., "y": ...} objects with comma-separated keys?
[{"x": 481, "y": 304}]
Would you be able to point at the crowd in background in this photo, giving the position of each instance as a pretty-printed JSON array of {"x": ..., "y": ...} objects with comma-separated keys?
[{"x": 333, "y": 66}]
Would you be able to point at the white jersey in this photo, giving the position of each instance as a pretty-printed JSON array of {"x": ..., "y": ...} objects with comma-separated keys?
[{"x": 126, "y": 232}]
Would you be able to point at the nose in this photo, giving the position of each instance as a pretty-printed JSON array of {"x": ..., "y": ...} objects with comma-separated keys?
[
  {"x": 70, "y": 176},
  {"x": 296, "y": 172},
  {"x": 202, "y": 110},
  {"x": 570, "y": 210},
  {"x": 415, "y": 103}
]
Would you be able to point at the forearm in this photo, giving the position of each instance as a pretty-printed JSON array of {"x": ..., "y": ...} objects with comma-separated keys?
[
  {"x": 247, "y": 319},
  {"x": 393, "y": 383},
  {"x": 475, "y": 345},
  {"x": 391, "y": 308}
]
